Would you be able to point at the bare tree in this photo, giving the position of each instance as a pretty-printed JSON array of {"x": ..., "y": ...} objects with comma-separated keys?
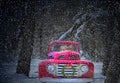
[
  {"x": 111, "y": 67},
  {"x": 28, "y": 26}
]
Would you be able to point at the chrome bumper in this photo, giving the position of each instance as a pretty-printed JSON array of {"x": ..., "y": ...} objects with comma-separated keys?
[{"x": 67, "y": 80}]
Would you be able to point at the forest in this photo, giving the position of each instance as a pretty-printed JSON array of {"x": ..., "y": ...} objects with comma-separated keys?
[{"x": 28, "y": 26}]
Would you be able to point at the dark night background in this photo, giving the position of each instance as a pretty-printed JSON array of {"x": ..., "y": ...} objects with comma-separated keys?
[{"x": 26, "y": 28}]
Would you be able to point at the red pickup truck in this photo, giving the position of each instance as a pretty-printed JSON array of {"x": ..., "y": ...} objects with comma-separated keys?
[{"x": 64, "y": 62}]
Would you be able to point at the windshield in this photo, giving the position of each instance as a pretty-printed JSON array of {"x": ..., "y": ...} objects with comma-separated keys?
[{"x": 63, "y": 47}]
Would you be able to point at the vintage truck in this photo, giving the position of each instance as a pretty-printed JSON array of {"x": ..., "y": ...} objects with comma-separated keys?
[{"x": 64, "y": 61}]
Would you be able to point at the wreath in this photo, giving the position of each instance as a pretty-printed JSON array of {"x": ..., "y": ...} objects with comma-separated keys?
[{"x": 68, "y": 76}]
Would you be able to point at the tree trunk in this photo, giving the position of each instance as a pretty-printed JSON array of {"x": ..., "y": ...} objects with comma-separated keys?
[
  {"x": 108, "y": 45},
  {"x": 92, "y": 44},
  {"x": 109, "y": 36},
  {"x": 27, "y": 40},
  {"x": 113, "y": 71}
]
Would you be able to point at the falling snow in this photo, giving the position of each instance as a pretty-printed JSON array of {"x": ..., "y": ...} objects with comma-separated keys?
[{"x": 27, "y": 27}]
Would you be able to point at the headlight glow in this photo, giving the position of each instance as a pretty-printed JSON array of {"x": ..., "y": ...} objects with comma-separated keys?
[
  {"x": 84, "y": 68},
  {"x": 50, "y": 68}
]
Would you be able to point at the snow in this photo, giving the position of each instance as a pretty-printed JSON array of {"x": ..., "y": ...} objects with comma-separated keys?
[
  {"x": 8, "y": 72},
  {"x": 64, "y": 35}
]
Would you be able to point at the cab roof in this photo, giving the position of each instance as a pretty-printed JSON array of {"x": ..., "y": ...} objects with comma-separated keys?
[{"x": 63, "y": 41}]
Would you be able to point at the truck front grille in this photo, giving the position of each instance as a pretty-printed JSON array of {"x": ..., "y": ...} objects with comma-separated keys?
[{"x": 67, "y": 70}]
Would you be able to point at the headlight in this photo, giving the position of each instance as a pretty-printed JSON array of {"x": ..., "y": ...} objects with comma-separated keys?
[
  {"x": 84, "y": 68},
  {"x": 51, "y": 68}
]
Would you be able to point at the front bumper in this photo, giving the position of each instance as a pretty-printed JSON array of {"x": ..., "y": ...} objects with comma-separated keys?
[{"x": 67, "y": 80}]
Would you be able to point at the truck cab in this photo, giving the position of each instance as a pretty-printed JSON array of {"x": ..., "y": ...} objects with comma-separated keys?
[{"x": 63, "y": 61}]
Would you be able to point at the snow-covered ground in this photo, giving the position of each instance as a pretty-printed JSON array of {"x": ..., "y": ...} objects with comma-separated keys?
[{"x": 8, "y": 72}]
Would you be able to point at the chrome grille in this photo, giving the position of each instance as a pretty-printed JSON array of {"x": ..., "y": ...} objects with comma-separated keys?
[{"x": 67, "y": 70}]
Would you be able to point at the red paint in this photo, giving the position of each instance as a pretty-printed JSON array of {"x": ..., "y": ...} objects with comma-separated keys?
[{"x": 66, "y": 60}]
